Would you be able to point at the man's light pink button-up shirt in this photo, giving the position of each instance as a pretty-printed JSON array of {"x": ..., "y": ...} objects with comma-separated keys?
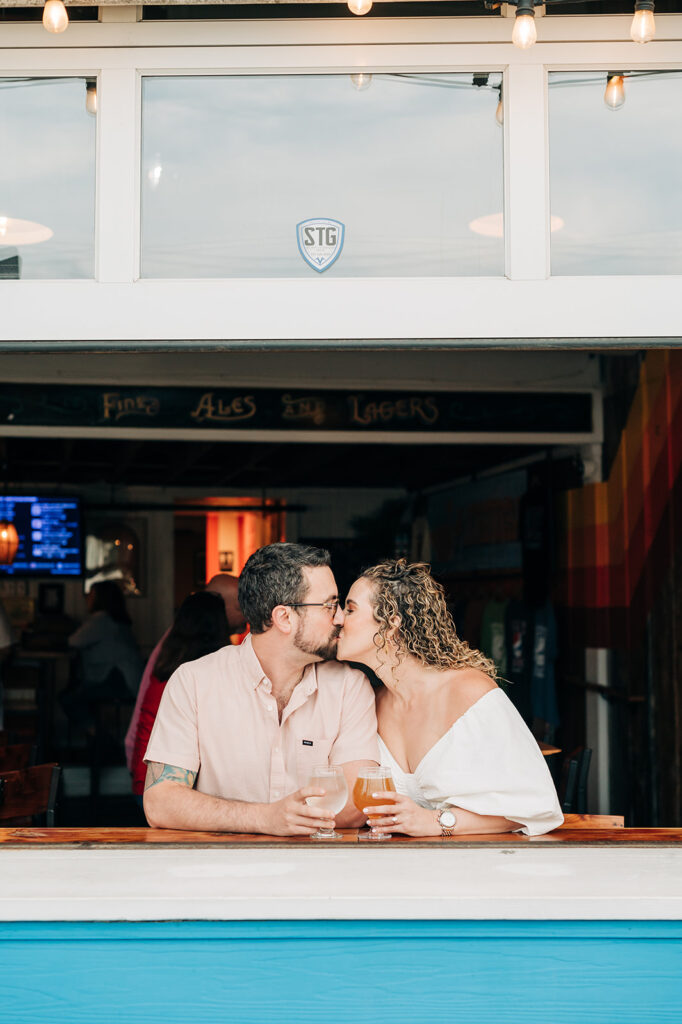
[{"x": 218, "y": 716}]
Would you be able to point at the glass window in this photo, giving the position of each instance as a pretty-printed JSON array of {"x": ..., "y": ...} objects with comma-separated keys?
[
  {"x": 47, "y": 177},
  {"x": 408, "y": 168},
  {"x": 615, "y": 158}
]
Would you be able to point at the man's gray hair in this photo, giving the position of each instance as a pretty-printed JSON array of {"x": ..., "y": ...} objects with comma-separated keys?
[{"x": 274, "y": 575}]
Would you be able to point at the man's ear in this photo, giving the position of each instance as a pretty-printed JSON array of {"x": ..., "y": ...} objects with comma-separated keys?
[{"x": 282, "y": 619}]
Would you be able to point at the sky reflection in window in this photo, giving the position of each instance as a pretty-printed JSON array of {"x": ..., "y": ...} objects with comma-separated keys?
[
  {"x": 615, "y": 174},
  {"x": 231, "y": 165},
  {"x": 47, "y": 179}
]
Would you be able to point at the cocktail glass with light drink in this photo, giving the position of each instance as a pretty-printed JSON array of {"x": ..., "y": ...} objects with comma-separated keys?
[
  {"x": 331, "y": 779},
  {"x": 369, "y": 781}
]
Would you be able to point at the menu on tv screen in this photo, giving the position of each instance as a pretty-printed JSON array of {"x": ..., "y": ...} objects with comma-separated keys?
[{"x": 50, "y": 535}]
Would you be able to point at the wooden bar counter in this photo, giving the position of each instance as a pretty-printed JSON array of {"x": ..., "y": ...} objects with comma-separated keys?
[{"x": 146, "y": 925}]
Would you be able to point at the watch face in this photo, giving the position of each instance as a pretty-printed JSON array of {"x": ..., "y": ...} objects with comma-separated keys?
[{"x": 447, "y": 819}]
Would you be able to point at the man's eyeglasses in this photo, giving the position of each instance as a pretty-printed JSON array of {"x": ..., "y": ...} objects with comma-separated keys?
[{"x": 331, "y": 606}]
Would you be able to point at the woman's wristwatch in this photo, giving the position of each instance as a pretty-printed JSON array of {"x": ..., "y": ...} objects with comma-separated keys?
[{"x": 447, "y": 819}]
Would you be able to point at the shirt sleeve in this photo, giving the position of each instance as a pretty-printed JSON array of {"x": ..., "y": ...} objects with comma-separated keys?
[
  {"x": 174, "y": 739},
  {"x": 490, "y": 763},
  {"x": 93, "y": 631},
  {"x": 356, "y": 739}
]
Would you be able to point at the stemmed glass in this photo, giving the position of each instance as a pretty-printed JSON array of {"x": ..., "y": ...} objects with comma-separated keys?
[
  {"x": 331, "y": 779},
  {"x": 369, "y": 781}
]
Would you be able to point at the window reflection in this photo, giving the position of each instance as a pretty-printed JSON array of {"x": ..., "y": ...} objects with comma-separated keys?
[
  {"x": 615, "y": 154},
  {"x": 406, "y": 163},
  {"x": 47, "y": 179}
]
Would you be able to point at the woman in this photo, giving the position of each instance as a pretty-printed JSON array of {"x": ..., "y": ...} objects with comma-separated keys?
[
  {"x": 200, "y": 628},
  {"x": 109, "y": 660},
  {"x": 461, "y": 756}
]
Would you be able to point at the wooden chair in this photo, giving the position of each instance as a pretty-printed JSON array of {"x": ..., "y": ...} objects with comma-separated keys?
[
  {"x": 572, "y": 787},
  {"x": 28, "y": 793},
  {"x": 17, "y": 756}
]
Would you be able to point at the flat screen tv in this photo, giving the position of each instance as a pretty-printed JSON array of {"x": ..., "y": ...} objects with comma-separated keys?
[{"x": 50, "y": 535}]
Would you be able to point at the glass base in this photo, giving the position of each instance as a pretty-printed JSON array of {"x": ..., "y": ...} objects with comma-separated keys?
[
  {"x": 331, "y": 834},
  {"x": 373, "y": 837}
]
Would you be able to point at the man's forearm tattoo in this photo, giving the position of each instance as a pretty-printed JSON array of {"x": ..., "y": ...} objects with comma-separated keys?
[{"x": 167, "y": 772}]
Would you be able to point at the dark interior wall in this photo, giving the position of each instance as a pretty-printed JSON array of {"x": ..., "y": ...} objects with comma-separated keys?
[{"x": 621, "y": 585}]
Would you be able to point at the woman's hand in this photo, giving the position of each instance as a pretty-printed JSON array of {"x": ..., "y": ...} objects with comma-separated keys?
[{"x": 400, "y": 814}]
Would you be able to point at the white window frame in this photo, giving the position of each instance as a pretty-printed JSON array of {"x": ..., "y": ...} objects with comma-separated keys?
[{"x": 526, "y": 305}]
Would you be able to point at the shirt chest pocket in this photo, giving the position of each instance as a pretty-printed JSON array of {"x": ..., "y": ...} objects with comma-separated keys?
[{"x": 311, "y": 751}]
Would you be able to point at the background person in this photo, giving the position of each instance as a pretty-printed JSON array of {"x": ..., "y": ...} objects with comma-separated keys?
[
  {"x": 7, "y": 641},
  {"x": 462, "y": 758},
  {"x": 238, "y": 732},
  {"x": 225, "y": 586},
  {"x": 109, "y": 660},
  {"x": 200, "y": 628}
]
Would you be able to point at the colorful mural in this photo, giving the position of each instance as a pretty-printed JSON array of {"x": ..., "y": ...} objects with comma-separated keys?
[{"x": 618, "y": 537}]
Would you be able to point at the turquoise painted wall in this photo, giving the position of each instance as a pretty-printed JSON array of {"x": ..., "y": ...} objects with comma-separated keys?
[{"x": 356, "y": 972}]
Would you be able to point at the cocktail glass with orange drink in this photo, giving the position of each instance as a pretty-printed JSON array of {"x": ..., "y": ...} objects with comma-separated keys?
[{"x": 369, "y": 782}]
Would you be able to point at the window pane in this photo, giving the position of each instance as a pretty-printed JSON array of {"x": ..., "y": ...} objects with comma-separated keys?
[
  {"x": 231, "y": 166},
  {"x": 615, "y": 173},
  {"x": 47, "y": 178}
]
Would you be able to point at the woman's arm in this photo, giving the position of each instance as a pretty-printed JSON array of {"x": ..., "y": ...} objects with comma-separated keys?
[{"x": 400, "y": 814}]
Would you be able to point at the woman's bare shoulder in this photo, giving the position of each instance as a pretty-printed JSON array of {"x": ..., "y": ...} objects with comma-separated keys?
[{"x": 468, "y": 686}]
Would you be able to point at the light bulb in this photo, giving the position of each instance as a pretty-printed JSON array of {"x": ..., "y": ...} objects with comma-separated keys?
[
  {"x": 55, "y": 18},
  {"x": 614, "y": 95},
  {"x": 499, "y": 112},
  {"x": 524, "y": 33},
  {"x": 361, "y": 81},
  {"x": 91, "y": 97},
  {"x": 643, "y": 28},
  {"x": 360, "y": 6}
]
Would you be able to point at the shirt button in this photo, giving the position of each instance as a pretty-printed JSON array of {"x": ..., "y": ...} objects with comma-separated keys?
[{"x": 277, "y": 750}]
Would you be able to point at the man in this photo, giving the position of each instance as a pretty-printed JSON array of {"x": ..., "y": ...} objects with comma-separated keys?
[
  {"x": 227, "y": 587},
  {"x": 239, "y": 731}
]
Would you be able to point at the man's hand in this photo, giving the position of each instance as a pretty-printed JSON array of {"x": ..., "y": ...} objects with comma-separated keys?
[{"x": 293, "y": 817}]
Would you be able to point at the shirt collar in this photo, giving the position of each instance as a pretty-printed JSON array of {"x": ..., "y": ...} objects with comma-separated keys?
[
  {"x": 251, "y": 667},
  {"x": 253, "y": 670}
]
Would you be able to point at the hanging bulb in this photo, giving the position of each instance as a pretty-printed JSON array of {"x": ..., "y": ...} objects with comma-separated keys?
[
  {"x": 360, "y": 6},
  {"x": 55, "y": 18},
  {"x": 524, "y": 33},
  {"x": 9, "y": 542},
  {"x": 614, "y": 95},
  {"x": 361, "y": 81},
  {"x": 643, "y": 28},
  {"x": 499, "y": 111},
  {"x": 91, "y": 97}
]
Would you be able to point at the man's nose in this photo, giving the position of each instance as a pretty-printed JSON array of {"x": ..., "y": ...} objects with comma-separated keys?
[{"x": 339, "y": 617}]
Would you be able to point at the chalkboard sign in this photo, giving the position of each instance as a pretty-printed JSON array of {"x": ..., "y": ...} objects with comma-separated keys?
[{"x": 318, "y": 411}]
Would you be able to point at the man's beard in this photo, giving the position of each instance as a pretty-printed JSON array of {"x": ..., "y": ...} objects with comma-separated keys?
[{"x": 326, "y": 651}]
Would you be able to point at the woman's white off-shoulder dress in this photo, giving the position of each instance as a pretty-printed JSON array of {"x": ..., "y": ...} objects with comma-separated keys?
[{"x": 487, "y": 762}]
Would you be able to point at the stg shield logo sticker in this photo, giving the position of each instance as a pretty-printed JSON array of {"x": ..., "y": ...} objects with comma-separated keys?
[{"x": 320, "y": 241}]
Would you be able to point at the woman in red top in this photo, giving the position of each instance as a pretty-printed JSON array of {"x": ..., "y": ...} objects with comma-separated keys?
[{"x": 200, "y": 628}]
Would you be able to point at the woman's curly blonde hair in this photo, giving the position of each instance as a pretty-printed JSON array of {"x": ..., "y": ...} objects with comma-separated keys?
[{"x": 408, "y": 595}]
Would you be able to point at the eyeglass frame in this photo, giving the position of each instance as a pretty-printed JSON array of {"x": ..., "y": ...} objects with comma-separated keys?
[{"x": 329, "y": 605}]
